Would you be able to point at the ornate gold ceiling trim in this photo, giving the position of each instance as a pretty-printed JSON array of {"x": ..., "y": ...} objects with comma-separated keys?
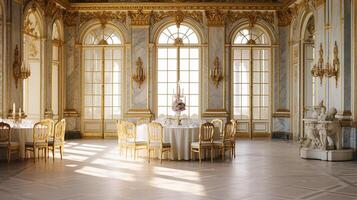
[{"x": 173, "y": 6}]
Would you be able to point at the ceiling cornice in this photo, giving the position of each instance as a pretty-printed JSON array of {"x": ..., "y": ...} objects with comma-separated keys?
[{"x": 174, "y": 6}]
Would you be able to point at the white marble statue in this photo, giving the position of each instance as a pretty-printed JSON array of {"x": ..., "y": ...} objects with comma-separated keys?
[{"x": 323, "y": 131}]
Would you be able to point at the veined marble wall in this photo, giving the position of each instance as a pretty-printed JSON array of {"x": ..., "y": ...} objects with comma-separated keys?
[{"x": 2, "y": 50}]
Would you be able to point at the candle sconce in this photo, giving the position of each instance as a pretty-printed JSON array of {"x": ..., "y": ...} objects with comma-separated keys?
[
  {"x": 317, "y": 70},
  {"x": 215, "y": 73},
  {"x": 332, "y": 70},
  {"x": 139, "y": 76},
  {"x": 21, "y": 72}
]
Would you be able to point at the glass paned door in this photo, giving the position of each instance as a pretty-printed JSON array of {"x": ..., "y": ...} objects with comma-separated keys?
[
  {"x": 251, "y": 89},
  {"x": 102, "y": 89}
]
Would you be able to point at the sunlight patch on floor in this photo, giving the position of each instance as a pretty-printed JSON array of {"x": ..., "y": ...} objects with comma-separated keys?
[
  {"x": 104, "y": 173},
  {"x": 179, "y": 186},
  {"x": 177, "y": 173}
]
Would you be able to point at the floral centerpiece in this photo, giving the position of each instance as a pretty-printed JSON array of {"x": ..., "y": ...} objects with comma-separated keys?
[{"x": 177, "y": 104}]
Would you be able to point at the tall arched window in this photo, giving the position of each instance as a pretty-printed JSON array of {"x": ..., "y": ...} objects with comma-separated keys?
[
  {"x": 56, "y": 69},
  {"x": 102, "y": 71},
  {"x": 251, "y": 80},
  {"x": 32, "y": 58},
  {"x": 178, "y": 60}
]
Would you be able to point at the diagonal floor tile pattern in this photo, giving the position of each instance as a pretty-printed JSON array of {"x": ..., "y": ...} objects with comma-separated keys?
[{"x": 263, "y": 169}]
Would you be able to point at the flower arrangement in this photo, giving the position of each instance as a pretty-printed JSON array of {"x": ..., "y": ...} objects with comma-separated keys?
[{"x": 178, "y": 105}]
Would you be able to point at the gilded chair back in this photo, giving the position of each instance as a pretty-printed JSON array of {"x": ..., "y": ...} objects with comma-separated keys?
[
  {"x": 142, "y": 121},
  {"x": 120, "y": 130},
  {"x": 41, "y": 132},
  {"x": 60, "y": 129},
  {"x": 130, "y": 131},
  {"x": 51, "y": 124},
  {"x": 206, "y": 132},
  {"x": 155, "y": 131},
  {"x": 5, "y": 133},
  {"x": 228, "y": 133},
  {"x": 218, "y": 123},
  {"x": 234, "y": 122}
]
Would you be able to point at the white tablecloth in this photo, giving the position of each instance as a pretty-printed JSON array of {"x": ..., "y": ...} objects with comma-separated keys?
[
  {"x": 20, "y": 132},
  {"x": 22, "y": 135},
  {"x": 180, "y": 138}
]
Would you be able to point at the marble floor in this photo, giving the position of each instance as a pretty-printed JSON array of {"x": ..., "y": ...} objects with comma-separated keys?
[{"x": 263, "y": 169}]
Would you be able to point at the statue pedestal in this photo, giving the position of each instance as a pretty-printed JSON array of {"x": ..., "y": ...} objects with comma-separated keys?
[{"x": 328, "y": 155}]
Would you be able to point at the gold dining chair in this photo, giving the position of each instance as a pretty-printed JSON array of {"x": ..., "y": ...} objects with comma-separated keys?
[
  {"x": 225, "y": 143},
  {"x": 41, "y": 132},
  {"x": 5, "y": 140},
  {"x": 155, "y": 140},
  {"x": 141, "y": 121},
  {"x": 205, "y": 140},
  {"x": 130, "y": 139},
  {"x": 218, "y": 123},
  {"x": 52, "y": 127},
  {"x": 121, "y": 136},
  {"x": 234, "y": 137},
  {"x": 58, "y": 138}
]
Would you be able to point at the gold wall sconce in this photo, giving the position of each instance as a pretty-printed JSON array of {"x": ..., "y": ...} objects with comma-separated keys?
[
  {"x": 215, "y": 73},
  {"x": 317, "y": 70},
  {"x": 20, "y": 70},
  {"x": 139, "y": 76},
  {"x": 332, "y": 70}
]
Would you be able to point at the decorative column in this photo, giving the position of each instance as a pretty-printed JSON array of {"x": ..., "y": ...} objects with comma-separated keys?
[
  {"x": 138, "y": 73},
  {"x": 215, "y": 90}
]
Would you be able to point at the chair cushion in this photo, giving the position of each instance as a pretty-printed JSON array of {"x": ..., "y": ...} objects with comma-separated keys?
[
  {"x": 5, "y": 144},
  {"x": 138, "y": 143},
  {"x": 157, "y": 144},
  {"x": 203, "y": 144},
  {"x": 31, "y": 144}
]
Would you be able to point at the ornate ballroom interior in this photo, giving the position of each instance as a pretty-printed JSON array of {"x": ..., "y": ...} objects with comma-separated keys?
[{"x": 176, "y": 99}]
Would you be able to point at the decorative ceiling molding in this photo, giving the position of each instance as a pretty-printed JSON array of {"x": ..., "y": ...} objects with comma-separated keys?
[
  {"x": 178, "y": 16},
  {"x": 252, "y": 16},
  {"x": 145, "y": 6}
]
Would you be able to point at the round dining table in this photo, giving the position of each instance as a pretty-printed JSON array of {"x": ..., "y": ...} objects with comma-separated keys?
[
  {"x": 179, "y": 136},
  {"x": 21, "y": 132}
]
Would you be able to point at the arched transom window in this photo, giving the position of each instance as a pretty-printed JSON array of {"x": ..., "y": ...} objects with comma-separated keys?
[
  {"x": 102, "y": 69},
  {"x": 251, "y": 80},
  {"x": 178, "y": 62}
]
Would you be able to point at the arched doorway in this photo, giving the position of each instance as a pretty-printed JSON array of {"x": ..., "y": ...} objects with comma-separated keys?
[
  {"x": 251, "y": 67},
  {"x": 32, "y": 90},
  {"x": 102, "y": 80},
  {"x": 178, "y": 61}
]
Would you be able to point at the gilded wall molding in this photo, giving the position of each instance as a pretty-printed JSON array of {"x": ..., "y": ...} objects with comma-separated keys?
[
  {"x": 252, "y": 16},
  {"x": 103, "y": 16},
  {"x": 139, "y": 18},
  {"x": 178, "y": 16},
  {"x": 216, "y": 17},
  {"x": 70, "y": 18}
]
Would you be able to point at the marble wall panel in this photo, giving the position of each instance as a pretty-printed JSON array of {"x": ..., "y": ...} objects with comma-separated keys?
[
  {"x": 281, "y": 125},
  {"x": 215, "y": 50},
  {"x": 139, "y": 48},
  {"x": 283, "y": 56}
]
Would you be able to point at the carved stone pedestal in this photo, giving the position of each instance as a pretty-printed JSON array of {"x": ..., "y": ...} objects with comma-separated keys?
[{"x": 328, "y": 155}]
